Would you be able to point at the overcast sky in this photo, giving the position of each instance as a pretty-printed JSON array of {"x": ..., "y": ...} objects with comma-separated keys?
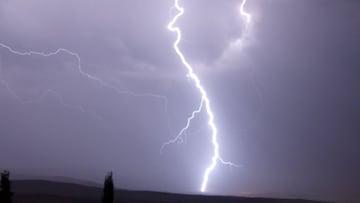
[{"x": 286, "y": 99}]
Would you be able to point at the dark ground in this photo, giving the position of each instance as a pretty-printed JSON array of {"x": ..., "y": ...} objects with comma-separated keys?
[{"x": 31, "y": 191}]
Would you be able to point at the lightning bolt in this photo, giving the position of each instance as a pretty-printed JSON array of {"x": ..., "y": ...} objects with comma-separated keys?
[{"x": 205, "y": 102}]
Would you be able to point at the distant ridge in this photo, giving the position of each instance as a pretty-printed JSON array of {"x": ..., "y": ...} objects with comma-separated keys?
[
  {"x": 60, "y": 192},
  {"x": 62, "y": 179}
]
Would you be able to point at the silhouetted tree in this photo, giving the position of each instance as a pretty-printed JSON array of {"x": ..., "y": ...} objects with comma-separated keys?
[
  {"x": 108, "y": 192},
  {"x": 5, "y": 193}
]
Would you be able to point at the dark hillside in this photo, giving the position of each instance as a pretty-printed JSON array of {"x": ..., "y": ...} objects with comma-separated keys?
[{"x": 40, "y": 191}]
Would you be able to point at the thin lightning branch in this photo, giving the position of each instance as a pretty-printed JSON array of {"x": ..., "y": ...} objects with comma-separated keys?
[
  {"x": 71, "y": 106},
  {"x": 43, "y": 95},
  {"x": 179, "y": 138},
  {"x": 204, "y": 98},
  {"x": 229, "y": 163},
  {"x": 82, "y": 72},
  {"x": 57, "y": 95},
  {"x": 243, "y": 40},
  {"x": 13, "y": 94},
  {"x": 64, "y": 103}
]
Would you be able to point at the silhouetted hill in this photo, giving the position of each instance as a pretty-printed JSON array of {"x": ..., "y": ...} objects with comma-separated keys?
[
  {"x": 39, "y": 191},
  {"x": 22, "y": 176},
  {"x": 55, "y": 188}
]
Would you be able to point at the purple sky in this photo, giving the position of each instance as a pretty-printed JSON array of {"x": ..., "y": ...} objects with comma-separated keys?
[{"x": 286, "y": 101}]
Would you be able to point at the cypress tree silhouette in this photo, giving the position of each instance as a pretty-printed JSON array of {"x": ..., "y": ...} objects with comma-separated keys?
[
  {"x": 5, "y": 193},
  {"x": 108, "y": 191}
]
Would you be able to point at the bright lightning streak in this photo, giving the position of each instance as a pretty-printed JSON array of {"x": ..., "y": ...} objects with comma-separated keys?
[
  {"x": 246, "y": 15},
  {"x": 204, "y": 101}
]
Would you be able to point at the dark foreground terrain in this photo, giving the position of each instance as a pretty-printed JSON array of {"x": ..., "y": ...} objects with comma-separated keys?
[{"x": 55, "y": 192}]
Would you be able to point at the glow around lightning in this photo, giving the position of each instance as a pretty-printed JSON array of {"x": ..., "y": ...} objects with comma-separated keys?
[{"x": 205, "y": 102}]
